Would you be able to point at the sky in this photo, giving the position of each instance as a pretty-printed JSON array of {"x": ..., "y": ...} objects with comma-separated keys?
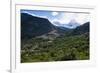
[{"x": 61, "y": 17}]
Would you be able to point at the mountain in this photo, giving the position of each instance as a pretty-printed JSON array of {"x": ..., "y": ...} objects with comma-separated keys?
[
  {"x": 32, "y": 26},
  {"x": 81, "y": 29}
]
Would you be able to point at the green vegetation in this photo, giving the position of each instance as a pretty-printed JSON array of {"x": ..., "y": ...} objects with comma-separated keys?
[{"x": 64, "y": 48}]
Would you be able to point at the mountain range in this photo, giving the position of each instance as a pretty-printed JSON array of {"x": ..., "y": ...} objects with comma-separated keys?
[{"x": 32, "y": 26}]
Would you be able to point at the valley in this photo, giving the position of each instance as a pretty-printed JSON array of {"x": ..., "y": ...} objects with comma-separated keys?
[{"x": 41, "y": 41}]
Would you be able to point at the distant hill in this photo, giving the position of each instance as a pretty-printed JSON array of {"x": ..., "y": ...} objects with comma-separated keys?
[
  {"x": 81, "y": 29},
  {"x": 32, "y": 26}
]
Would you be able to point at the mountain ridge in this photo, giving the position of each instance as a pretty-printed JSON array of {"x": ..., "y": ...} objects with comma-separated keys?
[{"x": 32, "y": 26}]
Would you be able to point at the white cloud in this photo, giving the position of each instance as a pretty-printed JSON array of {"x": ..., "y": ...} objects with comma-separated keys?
[
  {"x": 55, "y": 13},
  {"x": 65, "y": 18},
  {"x": 82, "y": 18}
]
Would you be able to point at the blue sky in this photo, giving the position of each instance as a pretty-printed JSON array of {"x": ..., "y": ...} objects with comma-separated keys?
[{"x": 60, "y": 16}]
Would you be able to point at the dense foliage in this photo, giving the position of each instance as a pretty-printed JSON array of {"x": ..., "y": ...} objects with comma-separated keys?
[{"x": 60, "y": 49}]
